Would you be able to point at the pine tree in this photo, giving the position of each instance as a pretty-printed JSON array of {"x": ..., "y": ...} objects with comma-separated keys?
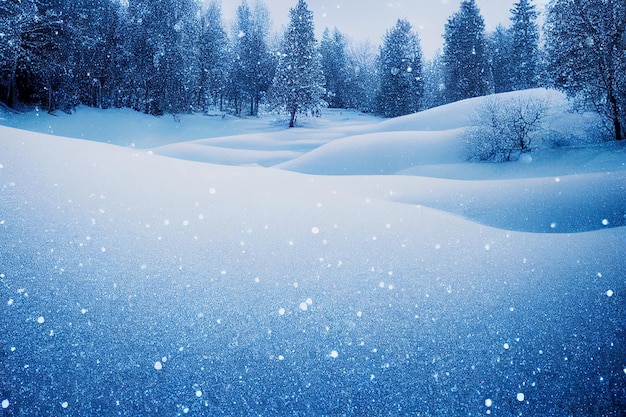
[
  {"x": 33, "y": 34},
  {"x": 465, "y": 54},
  {"x": 337, "y": 69},
  {"x": 502, "y": 59},
  {"x": 180, "y": 55},
  {"x": 434, "y": 82},
  {"x": 263, "y": 56},
  {"x": 365, "y": 79},
  {"x": 252, "y": 68},
  {"x": 586, "y": 52},
  {"x": 524, "y": 45},
  {"x": 400, "y": 72},
  {"x": 298, "y": 84},
  {"x": 162, "y": 40},
  {"x": 20, "y": 38},
  {"x": 91, "y": 45},
  {"x": 213, "y": 49}
]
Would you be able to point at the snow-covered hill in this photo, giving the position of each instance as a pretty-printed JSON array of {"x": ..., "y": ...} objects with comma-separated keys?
[{"x": 288, "y": 276}]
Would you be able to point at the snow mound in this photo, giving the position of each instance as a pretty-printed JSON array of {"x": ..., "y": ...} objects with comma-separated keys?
[
  {"x": 380, "y": 153},
  {"x": 136, "y": 284},
  {"x": 460, "y": 114},
  {"x": 265, "y": 149},
  {"x": 561, "y": 204},
  {"x": 126, "y": 127}
]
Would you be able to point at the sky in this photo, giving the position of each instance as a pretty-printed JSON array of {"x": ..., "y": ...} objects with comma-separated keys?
[{"x": 369, "y": 20}]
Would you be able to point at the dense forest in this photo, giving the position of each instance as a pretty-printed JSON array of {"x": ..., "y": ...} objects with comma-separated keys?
[{"x": 177, "y": 56}]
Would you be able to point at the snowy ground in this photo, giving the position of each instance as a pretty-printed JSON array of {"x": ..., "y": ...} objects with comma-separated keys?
[{"x": 351, "y": 266}]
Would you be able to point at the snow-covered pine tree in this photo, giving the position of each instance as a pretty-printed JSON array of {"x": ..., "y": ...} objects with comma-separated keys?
[
  {"x": 465, "y": 54},
  {"x": 365, "y": 82},
  {"x": 299, "y": 81},
  {"x": 586, "y": 53},
  {"x": 265, "y": 60},
  {"x": 91, "y": 44},
  {"x": 502, "y": 59},
  {"x": 240, "y": 74},
  {"x": 337, "y": 69},
  {"x": 434, "y": 82},
  {"x": 31, "y": 55},
  {"x": 400, "y": 72},
  {"x": 164, "y": 55},
  {"x": 213, "y": 50},
  {"x": 252, "y": 67},
  {"x": 524, "y": 45},
  {"x": 19, "y": 41}
]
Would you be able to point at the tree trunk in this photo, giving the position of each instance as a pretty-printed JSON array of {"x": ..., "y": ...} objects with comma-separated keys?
[
  {"x": 617, "y": 124},
  {"x": 292, "y": 120},
  {"x": 12, "y": 92}
]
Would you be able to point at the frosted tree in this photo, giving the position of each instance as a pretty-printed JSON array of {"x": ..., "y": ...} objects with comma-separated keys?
[
  {"x": 586, "y": 52},
  {"x": 91, "y": 47},
  {"x": 400, "y": 72},
  {"x": 162, "y": 40},
  {"x": 20, "y": 39},
  {"x": 213, "y": 48},
  {"x": 60, "y": 53},
  {"x": 502, "y": 59},
  {"x": 252, "y": 66},
  {"x": 299, "y": 81},
  {"x": 524, "y": 45},
  {"x": 31, "y": 52},
  {"x": 337, "y": 69},
  {"x": 434, "y": 82},
  {"x": 365, "y": 81},
  {"x": 465, "y": 54},
  {"x": 241, "y": 72}
]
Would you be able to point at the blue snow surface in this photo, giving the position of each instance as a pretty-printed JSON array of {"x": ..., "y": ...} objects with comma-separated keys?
[{"x": 359, "y": 268}]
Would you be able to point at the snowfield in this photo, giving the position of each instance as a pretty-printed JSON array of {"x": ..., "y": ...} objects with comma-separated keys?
[{"x": 350, "y": 266}]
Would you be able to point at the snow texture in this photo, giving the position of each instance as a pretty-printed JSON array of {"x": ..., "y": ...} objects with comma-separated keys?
[{"x": 349, "y": 267}]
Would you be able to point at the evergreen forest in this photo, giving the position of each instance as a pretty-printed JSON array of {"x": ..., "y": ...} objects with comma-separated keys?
[{"x": 177, "y": 56}]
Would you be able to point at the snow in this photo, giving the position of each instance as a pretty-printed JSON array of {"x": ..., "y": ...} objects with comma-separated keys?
[{"x": 215, "y": 243}]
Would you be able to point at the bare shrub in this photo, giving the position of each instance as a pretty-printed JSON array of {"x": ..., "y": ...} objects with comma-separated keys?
[{"x": 504, "y": 127}]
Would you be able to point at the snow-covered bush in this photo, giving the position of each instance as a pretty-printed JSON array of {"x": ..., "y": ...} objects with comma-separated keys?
[
  {"x": 504, "y": 127},
  {"x": 575, "y": 127}
]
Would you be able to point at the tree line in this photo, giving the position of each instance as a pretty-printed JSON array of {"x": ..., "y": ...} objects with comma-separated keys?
[{"x": 174, "y": 56}]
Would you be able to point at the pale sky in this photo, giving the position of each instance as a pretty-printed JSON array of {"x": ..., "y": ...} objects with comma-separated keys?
[{"x": 364, "y": 20}]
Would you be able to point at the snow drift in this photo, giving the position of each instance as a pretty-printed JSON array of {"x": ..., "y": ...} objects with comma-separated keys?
[{"x": 137, "y": 284}]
